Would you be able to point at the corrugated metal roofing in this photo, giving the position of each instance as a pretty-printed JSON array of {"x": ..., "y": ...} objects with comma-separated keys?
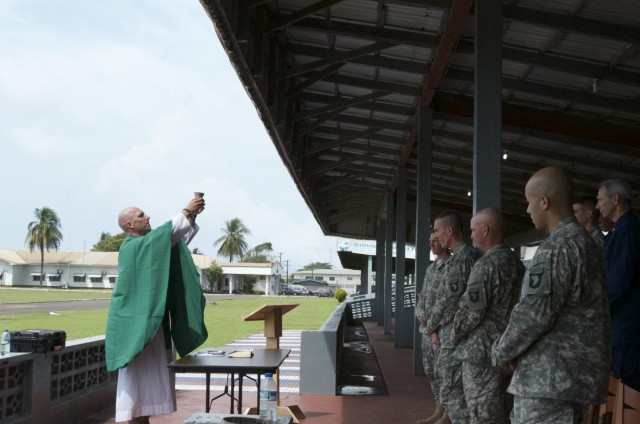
[{"x": 338, "y": 83}]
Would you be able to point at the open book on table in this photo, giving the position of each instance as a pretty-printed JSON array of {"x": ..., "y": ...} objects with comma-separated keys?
[{"x": 240, "y": 354}]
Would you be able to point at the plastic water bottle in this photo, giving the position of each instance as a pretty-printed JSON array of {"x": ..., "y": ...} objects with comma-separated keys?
[
  {"x": 6, "y": 342},
  {"x": 268, "y": 398}
]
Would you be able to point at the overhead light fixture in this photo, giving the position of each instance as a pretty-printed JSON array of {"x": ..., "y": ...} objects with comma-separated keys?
[
  {"x": 504, "y": 155},
  {"x": 469, "y": 193}
]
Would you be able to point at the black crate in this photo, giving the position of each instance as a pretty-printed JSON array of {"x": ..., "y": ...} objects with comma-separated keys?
[{"x": 38, "y": 340}]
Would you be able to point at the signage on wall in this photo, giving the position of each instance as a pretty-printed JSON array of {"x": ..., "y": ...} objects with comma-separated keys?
[{"x": 368, "y": 247}]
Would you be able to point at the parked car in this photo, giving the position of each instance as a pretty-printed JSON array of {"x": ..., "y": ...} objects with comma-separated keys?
[
  {"x": 299, "y": 290},
  {"x": 324, "y": 293},
  {"x": 286, "y": 290}
]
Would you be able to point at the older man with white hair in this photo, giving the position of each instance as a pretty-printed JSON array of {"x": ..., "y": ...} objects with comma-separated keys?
[{"x": 622, "y": 273}]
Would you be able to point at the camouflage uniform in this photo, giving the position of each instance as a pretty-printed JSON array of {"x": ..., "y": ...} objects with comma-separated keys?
[
  {"x": 549, "y": 411},
  {"x": 448, "y": 367},
  {"x": 559, "y": 332},
  {"x": 492, "y": 291},
  {"x": 598, "y": 237},
  {"x": 426, "y": 298}
]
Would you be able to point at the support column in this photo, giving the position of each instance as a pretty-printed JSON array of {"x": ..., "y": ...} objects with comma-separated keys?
[
  {"x": 403, "y": 336},
  {"x": 487, "y": 117},
  {"x": 423, "y": 221},
  {"x": 388, "y": 263},
  {"x": 365, "y": 276},
  {"x": 382, "y": 224},
  {"x": 369, "y": 273}
]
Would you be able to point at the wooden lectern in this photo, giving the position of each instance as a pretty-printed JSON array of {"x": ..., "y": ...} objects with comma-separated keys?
[{"x": 272, "y": 317}]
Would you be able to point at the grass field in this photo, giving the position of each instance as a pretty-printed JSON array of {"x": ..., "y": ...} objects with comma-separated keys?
[
  {"x": 22, "y": 295},
  {"x": 222, "y": 317}
]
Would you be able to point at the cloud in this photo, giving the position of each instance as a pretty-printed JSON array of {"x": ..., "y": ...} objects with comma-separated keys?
[
  {"x": 112, "y": 104},
  {"x": 35, "y": 142}
]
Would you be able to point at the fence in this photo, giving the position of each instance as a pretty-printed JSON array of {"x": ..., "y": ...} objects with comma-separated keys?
[{"x": 56, "y": 387}]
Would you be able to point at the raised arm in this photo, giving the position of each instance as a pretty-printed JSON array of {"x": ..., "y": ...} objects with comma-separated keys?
[{"x": 184, "y": 224}]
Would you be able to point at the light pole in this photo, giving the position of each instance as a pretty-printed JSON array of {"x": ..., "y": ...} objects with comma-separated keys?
[
  {"x": 68, "y": 205},
  {"x": 287, "y": 262}
]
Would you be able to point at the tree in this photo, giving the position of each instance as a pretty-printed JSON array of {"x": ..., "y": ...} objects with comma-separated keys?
[
  {"x": 109, "y": 243},
  {"x": 213, "y": 274},
  {"x": 44, "y": 233},
  {"x": 249, "y": 283},
  {"x": 232, "y": 243},
  {"x": 196, "y": 251},
  {"x": 315, "y": 265},
  {"x": 259, "y": 254},
  {"x": 340, "y": 295}
]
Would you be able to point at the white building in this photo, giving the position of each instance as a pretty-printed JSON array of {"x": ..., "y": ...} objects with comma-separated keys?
[
  {"x": 100, "y": 270},
  {"x": 268, "y": 276},
  {"x": 347, "y": 279}
]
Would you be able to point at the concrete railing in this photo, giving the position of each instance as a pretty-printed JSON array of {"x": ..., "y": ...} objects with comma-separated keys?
[
  {"x": 56, "y": 387},
  {"x": 321, "y": 354}
]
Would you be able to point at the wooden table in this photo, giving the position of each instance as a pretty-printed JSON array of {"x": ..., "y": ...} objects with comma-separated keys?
[{"x": 263, "y": 360}]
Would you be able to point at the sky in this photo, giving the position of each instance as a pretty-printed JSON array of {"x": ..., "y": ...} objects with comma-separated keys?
[{"x": 109, "y": 104}]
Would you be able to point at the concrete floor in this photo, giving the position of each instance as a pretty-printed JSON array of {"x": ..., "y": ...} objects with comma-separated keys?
[{"x": 409, "y": 397}]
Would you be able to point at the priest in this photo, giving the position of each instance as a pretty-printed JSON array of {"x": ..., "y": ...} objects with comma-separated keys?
[{"x": 157, "y": 308}]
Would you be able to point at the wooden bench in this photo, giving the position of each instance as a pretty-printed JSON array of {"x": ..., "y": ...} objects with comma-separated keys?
[{"x": 622, "y": 406}]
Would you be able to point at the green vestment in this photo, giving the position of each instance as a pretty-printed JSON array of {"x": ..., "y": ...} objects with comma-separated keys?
[{"x": 157, "y": 285}]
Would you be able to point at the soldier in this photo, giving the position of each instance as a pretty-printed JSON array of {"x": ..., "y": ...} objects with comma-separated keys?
[
  {"x": 584, "y": 208},
  {"x": 605, "y": 225},
  {"x": 492, "y": 291},
  {"x": 558, "y": 338},
  {"x": 432, "y": 279},
  {"x": 448, "y": 231}
]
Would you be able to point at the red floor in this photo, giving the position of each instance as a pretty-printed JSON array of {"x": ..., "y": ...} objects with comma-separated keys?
[{"x": 410, "y": 397}]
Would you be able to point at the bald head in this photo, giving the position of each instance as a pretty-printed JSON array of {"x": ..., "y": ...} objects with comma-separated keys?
[
  {"x": 124, "y": 217},
  {"x": 549, "y": 192},
  {"x": 554, "y": 183},
  {"x": 134, "y": 221},
  {"x": 487, "y": 228}
]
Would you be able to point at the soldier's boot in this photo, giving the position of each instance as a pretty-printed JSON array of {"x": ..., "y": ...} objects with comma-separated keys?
[
  {"x": 139, "y": 420},
  {"x": 436, "y": 415},
  {"x": 444, "y": 419}
]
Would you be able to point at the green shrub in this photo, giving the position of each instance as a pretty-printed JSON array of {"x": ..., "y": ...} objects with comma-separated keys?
[{"x": 340, "y": 295}]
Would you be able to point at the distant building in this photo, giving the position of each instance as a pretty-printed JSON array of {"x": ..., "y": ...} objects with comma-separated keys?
[
  {"x": 360, "y": 255},
  {"x": 100, "y": 270},
  {"x": 347, "y": 279},
  {"x": 268, "y": 274},
  {"x": 61, "y": 269}
]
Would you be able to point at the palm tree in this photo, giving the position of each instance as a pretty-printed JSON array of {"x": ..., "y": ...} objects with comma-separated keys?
[
  {"x": 232, "y": 243},
  {"x": 44, "y": 233}
]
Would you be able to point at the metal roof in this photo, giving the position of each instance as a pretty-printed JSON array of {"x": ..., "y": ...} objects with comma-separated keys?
[
  {"x": 338, "y": 83},
  {"x": 98, "y": 259}
]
